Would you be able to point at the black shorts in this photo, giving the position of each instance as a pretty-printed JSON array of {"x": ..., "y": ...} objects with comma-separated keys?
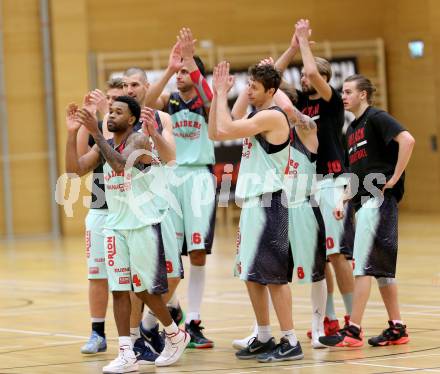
[
  {"x": 375, "y": 246},
  {"x": 264, "y": 254}
]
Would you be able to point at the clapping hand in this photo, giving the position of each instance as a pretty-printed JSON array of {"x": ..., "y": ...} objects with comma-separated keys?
[{"x": 222, "y": 81}]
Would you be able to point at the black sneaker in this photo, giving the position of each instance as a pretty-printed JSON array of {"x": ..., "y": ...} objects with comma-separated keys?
[
  {"x": 255, "y": 348},
  {"x": 198, "y": 340},
  {"x": 177, "y": 314},
  {"x": 396, "y": 334},
  {"x": 153, "y": 338},
  {"x": 282, "y": 352},
  {"x": 349, "y": 336}
]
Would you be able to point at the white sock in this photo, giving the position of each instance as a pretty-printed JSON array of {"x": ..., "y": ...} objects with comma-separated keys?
[
  {"x": 97, "y": 320},
  {"x": 135, "y": 334},
  {"x": 290, "y": 336},
  {"x": 395, "y": 321},
  {"x": 125, "y": 342},
  {"x": 174, "y": 301},
  {"x": 195, "y": 292},
  {"x": 255, "y": 329},
  {"x": 172, "y": 332},
  {"x": 264, "y": 333},
  {"x": 149, "y": 321},
  {"x": 319, "y": 300},
  {"x": 171, "y": 329}
]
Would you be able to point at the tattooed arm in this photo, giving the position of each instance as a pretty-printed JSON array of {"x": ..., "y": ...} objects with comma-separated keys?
[
  {"x": 117, "y": 161},
  {"x": 298, "y": 119}
]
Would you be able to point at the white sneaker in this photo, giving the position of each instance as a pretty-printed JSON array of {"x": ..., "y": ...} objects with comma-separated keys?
[
  {"x": 124, "y": 363},
  {"x": 174, "y": 347},
  {"x": 240, "y": 344}
]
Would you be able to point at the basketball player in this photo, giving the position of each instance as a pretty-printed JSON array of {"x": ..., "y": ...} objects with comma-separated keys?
[
  {"x": 306, "y": 226},
  {"x": 148, "y": 342},
  {"x": 135, "y": 244},
  {"x": 95, "y": 220},
  {"x": 323, "y": 103},
  {"x": 264, "y": 258},
  {"x": 379, "y": 150},
  {"x": 194, "y": 224}
]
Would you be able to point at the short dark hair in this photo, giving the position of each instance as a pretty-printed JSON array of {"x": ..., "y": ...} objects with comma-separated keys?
[
  {"x": 267, "y": 75},
  {"x": 200, "y": 64},
  {"x": 136, "y": 70},
  {"x": 115, "y": 83},
  {"x": 133, "y": 105},
  {"x": 363, "y": 84}
]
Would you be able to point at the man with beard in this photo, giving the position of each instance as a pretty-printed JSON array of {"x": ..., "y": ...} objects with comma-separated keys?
[
  {"x": 194, "y": 224},
  {"x": 95, "y": 220},
  {"x": 320, "y": 101},
  {"x": 134, "y": 239},
  {"x": 157, "y": 125}
]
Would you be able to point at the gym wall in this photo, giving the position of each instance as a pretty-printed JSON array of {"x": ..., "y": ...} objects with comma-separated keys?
[{"x": 80, "y": 27}]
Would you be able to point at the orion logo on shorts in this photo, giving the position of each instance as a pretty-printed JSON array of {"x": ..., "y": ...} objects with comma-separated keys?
[
  {"x": 88, "y": 243},
  {"x": 124, "y": 280},
  {"x": 111, "y": 250}
]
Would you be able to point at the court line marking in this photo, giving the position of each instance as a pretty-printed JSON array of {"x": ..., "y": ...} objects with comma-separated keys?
[
  {"x": 287, "y": 366},
  {"x": 43, "y": 333},
  {"x": 393, "y": 367},
  {"x": 402, "y": 357}
]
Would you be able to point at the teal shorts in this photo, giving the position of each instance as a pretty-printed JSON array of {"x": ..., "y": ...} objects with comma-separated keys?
[
  {"x": 338, "y": 232},
  {"x": 95, "y": 243},
  {"x": 307, "y": 241},
  {"x": 263, "y": 253},
  {"x": 135, "y": 260},
  {"x": 172, "y": 252},
  {"x": 194, "y": 210},
  {"x": 375, "y": 245}
]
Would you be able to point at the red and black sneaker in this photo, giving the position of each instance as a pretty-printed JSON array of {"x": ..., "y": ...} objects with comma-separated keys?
[
  {"x": 349, "y": 336},
  {"x": 331, "y": 327},
  {"x": 198, "y": 340},
  {"x": 396, "y": 334}
]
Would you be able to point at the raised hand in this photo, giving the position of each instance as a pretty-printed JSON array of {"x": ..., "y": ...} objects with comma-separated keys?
[
  {"x": 294, "y": 42},
  {"x": 99, "y": 100},
  {"x": 149, "y": 124},
  {"x": 88, "y": 103},
  {"x": 302, "y": 29},
  {"x": 222, "y": 81},
  {"x": 72, "y": 122},
  {"x": 186, "y": 42},
  {"x": 88, "y": 120},
  {"x": 175, "y": 60}
]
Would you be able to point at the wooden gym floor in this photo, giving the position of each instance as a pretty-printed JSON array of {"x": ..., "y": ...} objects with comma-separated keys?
[{"x": 44, "y": 312}]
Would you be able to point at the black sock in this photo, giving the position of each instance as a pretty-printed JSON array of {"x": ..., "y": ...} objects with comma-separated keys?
[{"x": 98, "y": 327}]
